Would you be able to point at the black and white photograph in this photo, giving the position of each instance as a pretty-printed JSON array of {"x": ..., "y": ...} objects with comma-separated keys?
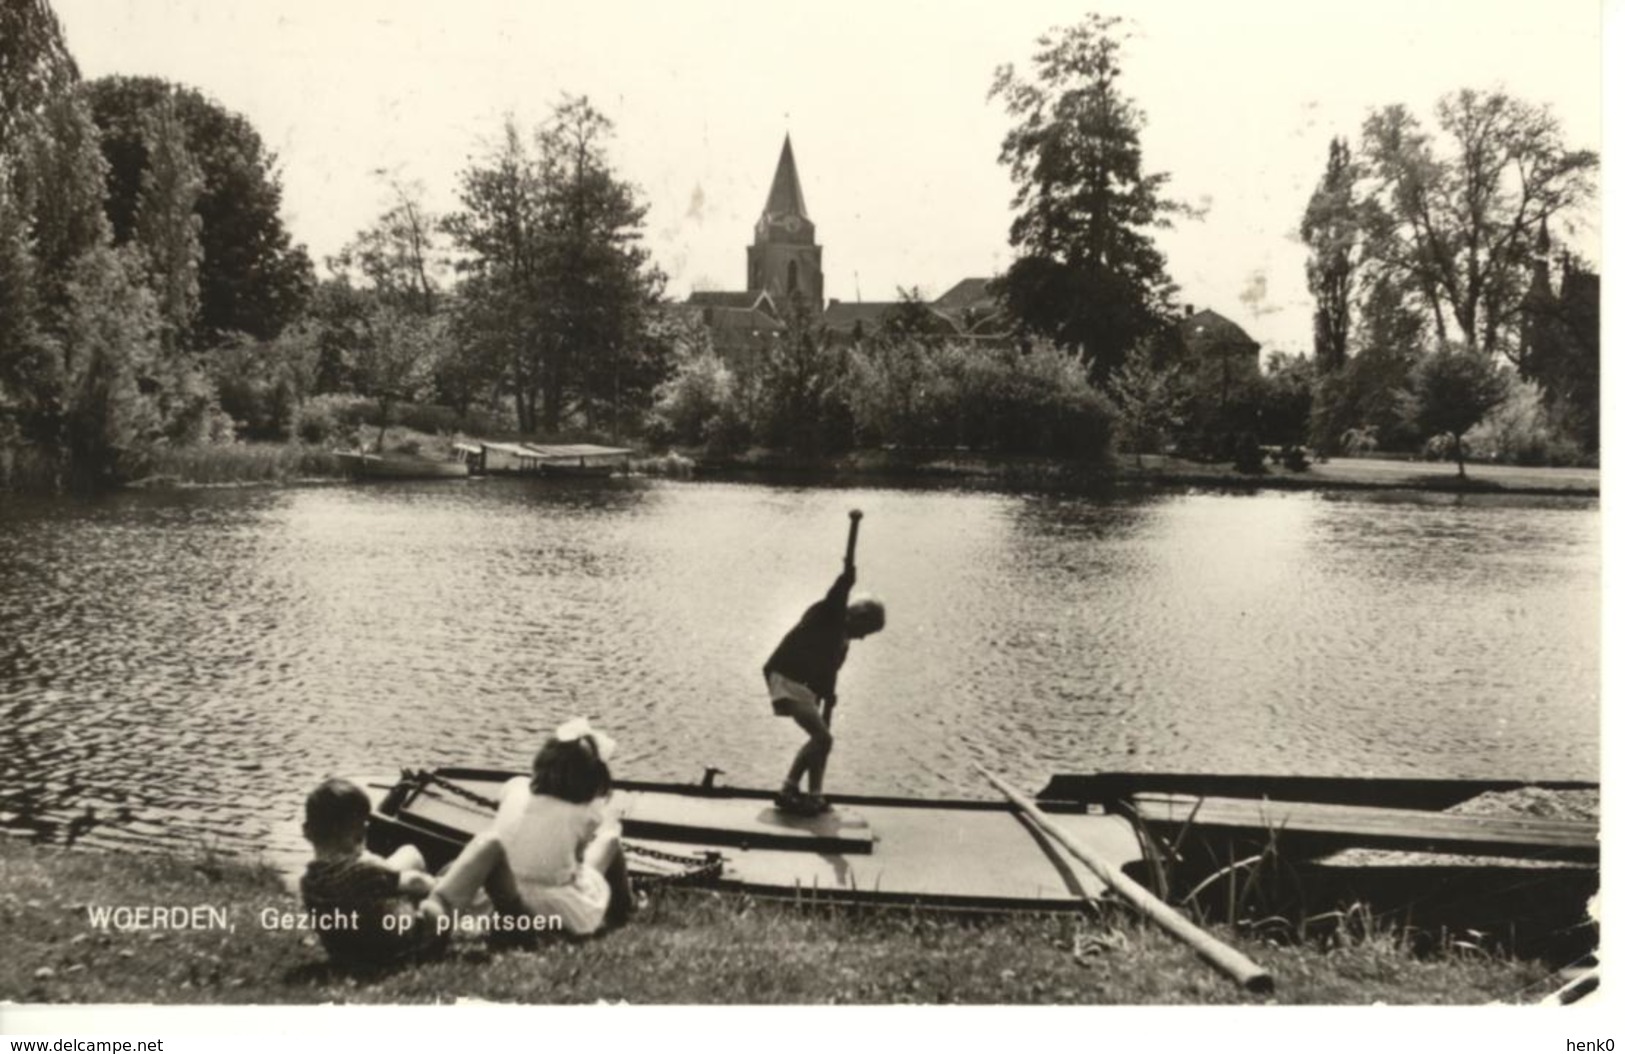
[{"x": 511, "y": 506}]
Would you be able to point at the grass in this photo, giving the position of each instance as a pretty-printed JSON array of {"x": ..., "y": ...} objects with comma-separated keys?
[
  {"x": 227, "y": 463},
  {"x": 685, "y": 947}
]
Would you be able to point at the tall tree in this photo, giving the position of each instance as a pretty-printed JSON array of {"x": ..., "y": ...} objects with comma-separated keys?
[
  {"x": 1455, "y": 215},
  {"x": 552, "y": 237},
  {"x": 252, "y": 278},
  {"x": 35, "y": 65},
  {"x": 596, "y": 267},
  {"x": 1330, "y": 229},
  {"x": 1087, "y": 273},
  {"x": 167, "y": 225},
  {"x": 501, "y": 230}
]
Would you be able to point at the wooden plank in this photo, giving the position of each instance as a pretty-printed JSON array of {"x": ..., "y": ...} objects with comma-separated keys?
[
  {"x": 979, "y": 859},
  {"x": 1342, "y": 826},
  {"x": 744, "y": 823},
  {"x": 1241, "y": 969},
  {"x": 1390, "y": 792}
]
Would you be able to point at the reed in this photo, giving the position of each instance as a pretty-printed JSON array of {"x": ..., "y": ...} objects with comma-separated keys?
[{"x": 227, "y": 463}]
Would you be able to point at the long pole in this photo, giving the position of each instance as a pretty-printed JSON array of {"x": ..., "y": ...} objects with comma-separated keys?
[{"x": 1243, "y": 970}]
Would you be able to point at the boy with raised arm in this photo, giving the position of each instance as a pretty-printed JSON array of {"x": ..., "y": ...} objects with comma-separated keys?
[{"x": 801, "y": 677}]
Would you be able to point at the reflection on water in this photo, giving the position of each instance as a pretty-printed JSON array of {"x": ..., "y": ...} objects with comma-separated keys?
[{"x": 177, "y": 669}]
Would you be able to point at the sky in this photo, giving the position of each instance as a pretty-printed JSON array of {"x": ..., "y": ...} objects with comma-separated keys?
[{"x": 886, "y": 103}]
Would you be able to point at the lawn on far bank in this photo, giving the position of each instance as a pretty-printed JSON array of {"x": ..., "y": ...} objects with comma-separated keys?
[
  {"x": 686, "y": 946},
  {"x": 1375, "y": 473}
]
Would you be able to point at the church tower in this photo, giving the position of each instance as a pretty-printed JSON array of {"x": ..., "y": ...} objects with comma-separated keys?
[{"x": 785, "y": 257}]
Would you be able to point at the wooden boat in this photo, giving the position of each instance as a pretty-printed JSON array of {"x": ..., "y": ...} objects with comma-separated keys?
[
  {"x": 951, "y": 854},
  {"x": 374, "y": 466},
  {"x": 533, "y": 459},
  {"x": 981, "y": 854}
]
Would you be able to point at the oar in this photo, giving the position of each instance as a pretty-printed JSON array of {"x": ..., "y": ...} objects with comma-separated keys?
[{"x": 1243, "y": 970}]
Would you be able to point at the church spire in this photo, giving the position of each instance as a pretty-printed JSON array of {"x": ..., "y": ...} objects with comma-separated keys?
[
  {"x": 784, "y": 217},
  {"x": 786, "y": 260},
  {"x": 785, "y": 198}
]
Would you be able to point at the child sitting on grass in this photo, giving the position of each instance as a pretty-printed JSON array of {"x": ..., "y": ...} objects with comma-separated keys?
[
  {"x": 360, "y": 904},
  {"x": 552, "y": 854}
]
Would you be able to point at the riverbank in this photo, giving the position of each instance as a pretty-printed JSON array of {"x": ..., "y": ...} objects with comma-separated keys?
[
  {"x": 1156, "y": 471},
  {"x": 685, "y": 947},
  {"x": 250, "y": 464}
]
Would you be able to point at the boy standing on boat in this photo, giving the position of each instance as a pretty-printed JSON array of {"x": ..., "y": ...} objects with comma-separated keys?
[{"x": 801, "y": 677}]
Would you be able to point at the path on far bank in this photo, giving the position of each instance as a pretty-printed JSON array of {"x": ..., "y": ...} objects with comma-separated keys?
[{"x": 1383, "y": 472}]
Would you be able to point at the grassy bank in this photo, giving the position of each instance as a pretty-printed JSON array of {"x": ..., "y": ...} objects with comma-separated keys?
[
  {"x": 1159, "y": 471},
  {"x": 684, "y": 947}
]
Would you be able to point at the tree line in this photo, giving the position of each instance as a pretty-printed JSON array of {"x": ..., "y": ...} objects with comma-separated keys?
[{"x": 151, "y": 296}]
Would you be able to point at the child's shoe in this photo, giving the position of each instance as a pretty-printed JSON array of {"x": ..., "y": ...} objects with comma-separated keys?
[{"x": 795, "y": 803}]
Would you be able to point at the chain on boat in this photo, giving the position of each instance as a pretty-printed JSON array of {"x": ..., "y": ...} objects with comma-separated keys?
[{"x": 697, "y": 870}]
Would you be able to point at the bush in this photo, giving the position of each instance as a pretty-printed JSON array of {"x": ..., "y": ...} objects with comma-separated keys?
[
  {"x": 997, "y": 398},
  {"x": 699, "y": 406},
  {"x": 330, "y": 419},
  {"x": 1521, "y": 432}
]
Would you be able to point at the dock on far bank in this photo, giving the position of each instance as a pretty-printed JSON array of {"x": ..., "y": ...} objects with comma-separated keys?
[{"x": 534, "y": 459}]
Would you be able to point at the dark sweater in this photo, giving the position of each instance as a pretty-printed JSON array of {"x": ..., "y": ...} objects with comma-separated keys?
[{"x": 813, "y": 651}]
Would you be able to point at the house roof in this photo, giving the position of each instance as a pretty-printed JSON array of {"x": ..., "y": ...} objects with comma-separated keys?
[
  {"x": 1207, "y": 330},
  {"x": 967, "y": 292},
  {"x": 845, "y": 315}
]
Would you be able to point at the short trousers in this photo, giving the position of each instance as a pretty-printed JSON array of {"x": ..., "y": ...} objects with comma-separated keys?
[{"x": 781, "y": 690}]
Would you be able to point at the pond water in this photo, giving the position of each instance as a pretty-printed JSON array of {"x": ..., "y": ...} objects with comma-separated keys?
[{"x": 181, "y": 667}]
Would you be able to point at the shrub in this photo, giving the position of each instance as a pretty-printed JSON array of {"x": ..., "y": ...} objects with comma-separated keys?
[{"x": 330, "y": 419}]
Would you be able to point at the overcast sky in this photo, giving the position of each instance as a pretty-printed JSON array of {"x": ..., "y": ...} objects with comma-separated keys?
[{"x": 886, "y": 103}]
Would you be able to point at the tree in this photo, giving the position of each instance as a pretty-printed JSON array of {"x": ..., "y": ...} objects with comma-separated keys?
[
  {"x": 1286, "y": 399},
  {"x": 35, "y": 66},
  {"x": 596, "y": 271},
  {"x": 394, "y": 361},
  {"x": 559, "y": 283},
  {"x": 1147, "y": 398},
  {"x": 1087, "y": 273},
  {"x": 501, "y": 230},
  {"x": 1455, "y": 388},
  {"x": 109, "y": 342},
  {"x": 1330, "y": 229},
  {"x": 1456, "y": 217},
  {"x": 252, "y": 278},
  {"x": 397, "y": 254}
]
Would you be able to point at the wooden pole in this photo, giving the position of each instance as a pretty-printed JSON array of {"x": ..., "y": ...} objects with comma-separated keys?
[{"x": 1243, "y": 970}]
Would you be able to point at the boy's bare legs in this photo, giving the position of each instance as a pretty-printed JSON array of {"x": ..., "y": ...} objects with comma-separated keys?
[
  {"x": 813, "y": 755},
  {"x": 406, "y": 858}
]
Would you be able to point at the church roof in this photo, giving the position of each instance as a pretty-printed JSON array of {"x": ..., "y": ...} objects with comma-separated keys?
[
  {"x": 731, "y": 322},
  {"x": 746, "y": 299},
  {"x": 785, "y": 199}
]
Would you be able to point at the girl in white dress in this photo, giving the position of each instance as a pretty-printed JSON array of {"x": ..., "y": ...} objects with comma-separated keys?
[{"x": 552, "y": 857}]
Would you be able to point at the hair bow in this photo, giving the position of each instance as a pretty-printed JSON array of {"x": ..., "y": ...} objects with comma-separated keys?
[{"x": 577, "y": 728}]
